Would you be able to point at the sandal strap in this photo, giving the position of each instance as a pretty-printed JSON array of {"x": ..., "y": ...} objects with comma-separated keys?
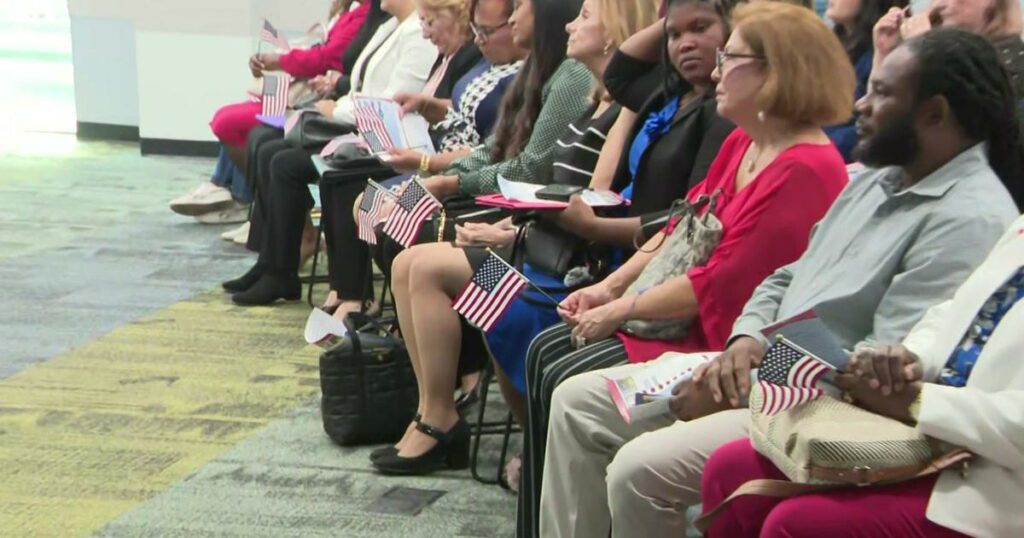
[{"x": 442, "y": 437}]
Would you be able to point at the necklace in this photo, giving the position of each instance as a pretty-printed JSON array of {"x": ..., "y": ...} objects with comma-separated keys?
[{"x": 753, "y": 158}]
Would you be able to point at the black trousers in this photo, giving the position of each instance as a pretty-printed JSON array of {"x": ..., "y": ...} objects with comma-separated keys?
[
  {"x": 348, "y": 257},
  {"x": 286, "y": 202},
  {"x": 261, "y": 145}
]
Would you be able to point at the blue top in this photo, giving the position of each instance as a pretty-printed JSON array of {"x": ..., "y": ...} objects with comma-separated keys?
[
  {"x": 960, "y": 364},
  {"x": 476, "y": 98},
  {"x": 656, "y": 125},
  {"x": 844, "y": 135}
]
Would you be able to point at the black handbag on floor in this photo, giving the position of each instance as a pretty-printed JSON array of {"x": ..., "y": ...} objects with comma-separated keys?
[{"x": 368, "y": 385}]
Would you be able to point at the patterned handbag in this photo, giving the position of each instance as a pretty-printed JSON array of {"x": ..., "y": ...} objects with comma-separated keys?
[
  {"x": 828, "y": 444},
  {"x": 690, "y": 240}
]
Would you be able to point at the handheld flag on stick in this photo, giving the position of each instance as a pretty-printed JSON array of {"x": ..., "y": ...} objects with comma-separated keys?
[
  {"x": 414, "y": 206},
  {"x": 369, "y": 210},
  {"x": 272, "y": 37},
  {"x": 488, "y": 294},
  {"x": 275, "y": 94},
  {"x": 789, "y": 376}
]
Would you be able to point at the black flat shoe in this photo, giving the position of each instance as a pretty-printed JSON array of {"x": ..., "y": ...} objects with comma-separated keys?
[
  {"x": 245, "y": 281},
  {"x": 270, "y": 288},
  {"x": 450, "y": 452},
  {"x": 389, "y": 449}
]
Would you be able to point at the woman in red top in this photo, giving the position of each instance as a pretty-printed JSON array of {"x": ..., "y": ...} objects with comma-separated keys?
[{"x": 232, "y": 123}]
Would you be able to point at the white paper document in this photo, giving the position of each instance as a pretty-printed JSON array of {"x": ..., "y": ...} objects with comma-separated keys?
[
  {"x": 526, "y": 192},
  {"x": 323, "y": 330},
  {"x": 647, "y": 391},
  {"x": 381, "y": 123}
]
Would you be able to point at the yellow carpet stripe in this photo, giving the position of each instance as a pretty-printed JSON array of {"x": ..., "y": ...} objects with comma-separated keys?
[{"x": 90, "y": 434}]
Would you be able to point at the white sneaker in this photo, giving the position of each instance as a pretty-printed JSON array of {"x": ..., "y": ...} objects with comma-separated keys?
[
  {"x": 234, "y": 214},
  {"x": 203, "y": 199},
  {"x": 242, "y": 238},
  {"x": 230, "y": 235}
]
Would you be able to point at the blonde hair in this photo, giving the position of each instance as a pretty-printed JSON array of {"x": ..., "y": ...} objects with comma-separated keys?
[
  {"x": 458, "y": 8},
  {"x": 809, "y": 77},
  {"x": 1005, "y": 20},
  {"x": 623, "y": 18}
]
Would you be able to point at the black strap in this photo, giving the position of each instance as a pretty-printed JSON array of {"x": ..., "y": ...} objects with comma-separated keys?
[{"x": 358, "y": 86}]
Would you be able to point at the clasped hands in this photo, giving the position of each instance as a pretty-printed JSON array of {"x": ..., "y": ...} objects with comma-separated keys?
[{"x": 884, "y": 380}]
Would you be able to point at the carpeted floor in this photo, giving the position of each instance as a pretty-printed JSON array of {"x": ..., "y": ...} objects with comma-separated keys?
[{"x": 136, "y": 400}]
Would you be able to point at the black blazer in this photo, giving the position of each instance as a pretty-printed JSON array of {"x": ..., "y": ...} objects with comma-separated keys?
[
  {"x": 465, "y": 59},
  {"x": 680, "y": 158}
]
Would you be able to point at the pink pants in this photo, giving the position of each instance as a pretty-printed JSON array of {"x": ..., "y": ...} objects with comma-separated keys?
[
  {"x": 896, "y": 510},
  {"x": 231, "y": 123}
]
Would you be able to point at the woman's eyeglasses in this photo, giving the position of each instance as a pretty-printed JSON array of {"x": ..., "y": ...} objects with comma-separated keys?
[
  {"x": 721, "y": 56},
  {"x": 485, "y": 32}
]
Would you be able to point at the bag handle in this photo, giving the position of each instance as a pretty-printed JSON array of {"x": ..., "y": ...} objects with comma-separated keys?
[{"x": 786, "y": 488}]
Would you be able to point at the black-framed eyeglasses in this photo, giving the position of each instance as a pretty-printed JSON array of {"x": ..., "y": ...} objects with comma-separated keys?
[
  {"x": 721, "y": 56},
  {"x": 485, "y": 32}
]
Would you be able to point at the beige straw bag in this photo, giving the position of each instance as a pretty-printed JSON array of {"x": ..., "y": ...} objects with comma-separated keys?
[{"x": 828, "y": 444}]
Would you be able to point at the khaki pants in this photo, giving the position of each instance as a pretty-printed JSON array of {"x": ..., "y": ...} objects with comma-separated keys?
[{"x": 637, "y": 479}]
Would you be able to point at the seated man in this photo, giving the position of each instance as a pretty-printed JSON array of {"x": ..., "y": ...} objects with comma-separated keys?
[{"x": 939, "y": 134}]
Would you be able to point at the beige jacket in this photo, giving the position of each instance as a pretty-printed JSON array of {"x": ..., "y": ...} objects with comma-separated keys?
[{"x": 986, "y": 416}]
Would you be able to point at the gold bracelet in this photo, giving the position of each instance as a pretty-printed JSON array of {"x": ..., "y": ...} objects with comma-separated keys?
[{"x": 425, "y": 163}]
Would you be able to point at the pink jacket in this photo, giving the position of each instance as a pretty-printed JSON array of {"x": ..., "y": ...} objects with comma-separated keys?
[{"x": 305, "y": 63}]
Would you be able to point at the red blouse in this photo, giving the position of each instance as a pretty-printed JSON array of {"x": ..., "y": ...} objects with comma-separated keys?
[
  {"x": 317, "y": 60},
  {"x": 765, "y": 225}
]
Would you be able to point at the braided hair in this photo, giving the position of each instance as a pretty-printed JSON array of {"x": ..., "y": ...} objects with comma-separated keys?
[{"x": 965, "y": 69}]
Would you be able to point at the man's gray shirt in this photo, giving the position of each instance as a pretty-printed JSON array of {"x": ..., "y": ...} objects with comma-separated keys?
[{"x": 881, "y": 257}]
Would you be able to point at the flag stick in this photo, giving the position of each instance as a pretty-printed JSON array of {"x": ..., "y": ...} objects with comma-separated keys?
[{"x": 528, "y": 281}]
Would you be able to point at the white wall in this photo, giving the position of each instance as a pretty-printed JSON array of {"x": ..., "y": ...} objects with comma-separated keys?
[{"x": 166, "y": 66}]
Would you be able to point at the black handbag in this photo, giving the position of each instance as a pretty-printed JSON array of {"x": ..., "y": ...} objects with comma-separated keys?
[
  {"x": 551, "y": 249},
  {"x": 314, "y": 131},
  {"x": 368, "y": 384},
  {"x": 350, "y": 162}
]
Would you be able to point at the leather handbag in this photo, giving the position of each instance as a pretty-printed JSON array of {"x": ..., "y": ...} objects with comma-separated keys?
[
  {"x": 828, "y": 443},
  {"x": 313, "y": 131},
  {"x": 551, "y": 249},
  {"x": 368, "y": 385},
  {"x": 690, "y": 240},
  {"x": 350, "y": 162}
]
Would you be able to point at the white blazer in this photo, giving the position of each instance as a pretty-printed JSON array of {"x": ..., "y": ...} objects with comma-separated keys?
[
  {"x": 986, "y": 416},
  {"x": 396, "y": 59}
]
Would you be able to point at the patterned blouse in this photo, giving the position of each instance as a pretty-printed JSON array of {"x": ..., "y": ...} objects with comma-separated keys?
[
  {"x": 474, "y": 108},
  {"x": 564, "y": 97},
  {"x": 961, "y": 362}
]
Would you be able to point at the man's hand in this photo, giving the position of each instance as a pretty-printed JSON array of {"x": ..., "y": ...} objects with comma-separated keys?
[
  {"x": 691, "y": 400},
  {"x": 728, "y": 375},
  {"x": 582, "y": 300},
  {"x": 887, "y": 368},
  {"x": 895, "y": 405},
  {"x": 442, "y": 186},
  {"x": 326, "y": 107}
]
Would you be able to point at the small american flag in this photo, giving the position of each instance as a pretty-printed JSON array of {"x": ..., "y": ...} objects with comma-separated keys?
[
  {"x": 272, "y": 37},
  {"x": 414, "y": 206},
  {"x": 275, "y": 94},
  {"x": 370, "y": 125},
  {"x": 789, "y": 376},
  {"x": 369, "y": 210},
  {"x": 487, "y": 295}
]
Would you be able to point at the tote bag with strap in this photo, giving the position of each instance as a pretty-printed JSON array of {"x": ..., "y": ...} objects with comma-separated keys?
[
  {"x": 690, "y": 240},
  {"x": 828, "y": 444}
]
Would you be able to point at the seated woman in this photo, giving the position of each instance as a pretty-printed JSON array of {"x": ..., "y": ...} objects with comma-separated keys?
[
  {"x": 776, "y": 176},
  {"x": 959, "y": 379},
  {"x": 854, "y": 21},
  {"x": 467, "y": 119},
  {"x": 396, "y": 59},
  {"x": 231, "y": 123},
  {"x": 999, "y": 21},
  {"x": 426, "y": 277}
]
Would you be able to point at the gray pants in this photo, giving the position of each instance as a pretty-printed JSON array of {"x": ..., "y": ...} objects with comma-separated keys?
[{"x": 637, "y": 479}]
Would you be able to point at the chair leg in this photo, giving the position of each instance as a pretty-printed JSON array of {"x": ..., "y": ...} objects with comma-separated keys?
[
  {"x": 478, "y": 432},
  {"x": 316, "y": 257},
  {"x": 504, "y": 451}
]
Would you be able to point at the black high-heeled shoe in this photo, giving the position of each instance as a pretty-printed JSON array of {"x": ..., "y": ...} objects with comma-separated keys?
[
  {"x": 390, "y": 449},
  {"x": 245, "y": 281},
  {"x": 450, "y": 452}
]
